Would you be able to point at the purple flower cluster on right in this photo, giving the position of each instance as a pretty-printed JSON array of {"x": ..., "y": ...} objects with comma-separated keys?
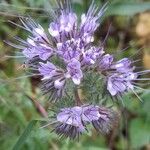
[{"x": 119, "y": 75}]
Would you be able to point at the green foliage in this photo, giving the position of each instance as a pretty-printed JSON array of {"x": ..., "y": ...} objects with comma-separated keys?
[
  {"x": 25, "y": 135},
  {"x": 139, "y": 133},
  {"x": 128, "y": 8}
]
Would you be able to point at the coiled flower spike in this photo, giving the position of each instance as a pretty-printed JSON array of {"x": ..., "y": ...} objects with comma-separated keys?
[{"x": 72, "y": 122}]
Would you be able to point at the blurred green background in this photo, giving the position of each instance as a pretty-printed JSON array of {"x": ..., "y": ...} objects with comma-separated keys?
[{"x": 21, "y": 99}]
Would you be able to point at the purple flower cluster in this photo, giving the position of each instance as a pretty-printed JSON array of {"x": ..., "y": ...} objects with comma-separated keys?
[
  {"x": 119, "y": 75},
  {"x": 71, "y": 41},
  {"x": 71, "y": 122}
]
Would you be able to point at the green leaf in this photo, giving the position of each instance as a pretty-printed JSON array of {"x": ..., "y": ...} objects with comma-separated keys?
[
  {"x": 78, "y": 8},
  {"x": 95, "y": 148},
  {"x": 127, "y": 9},
  {"x": 25, "y": 135},
  {"x": 139, "y": 133},
  {"x": 145, "y": 105}
]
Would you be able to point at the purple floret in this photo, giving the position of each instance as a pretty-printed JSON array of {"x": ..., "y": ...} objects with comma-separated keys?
[
  {"x": 47, "y": 70},
  {"x": 74, "y": 71},
  {"x": 105, "y": 62},
  {"x": 123, "y": 65},
  {"x": 63, "y": 26},
  {"x": 71, "y": 122},
  {"x": 120, "y": 83}
]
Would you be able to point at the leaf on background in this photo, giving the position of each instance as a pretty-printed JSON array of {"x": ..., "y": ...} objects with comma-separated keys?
[
  {"x": 78, "y": 8},
  {"x": 34, "y": 3},
  {"x": 139, "y": 133},
  {"x": 128, "y": 9},
  {"x": 25, "y": 135},
  {"x": 146, "y": 105},
  {"x": 95, "y": 148}
]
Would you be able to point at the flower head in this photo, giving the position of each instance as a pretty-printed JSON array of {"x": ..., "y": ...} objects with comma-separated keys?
[
  {"x": 90, "y": 20},
  {"x": 68, "y": 40},
  {"x": 123, "y": 65},
  {"x": 69, "y": 122},
  {"x": 63, "y": 54},
  {"x": 48, "y": 70},
  {"x": 73, "y": 121},
  {"x": 63, "y": 26},
  {"x": 106, "y": 121},
  {"x": 120, "y": 83},
  {"x": 53, "y": 80}
]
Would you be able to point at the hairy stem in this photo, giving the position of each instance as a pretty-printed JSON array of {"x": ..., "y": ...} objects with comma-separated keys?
[{"x": 77, "y": 97}]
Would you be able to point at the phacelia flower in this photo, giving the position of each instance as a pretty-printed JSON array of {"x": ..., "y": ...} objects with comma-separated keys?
[
  {"x": 119, "y": 75},
  {"x": 71, "y": 122},
  {"x": 41, "y": 50},
  {"x": 64, "y": 56},
  {"x": 74, "y": 71},
  {"x": 90, "y": 20},
  {"x": 102, "y": 118},
  {"x": 105, "y": 62},
  {"x": 64, "y": 25},
  {"x": 106, "y": 121},
  {"x": 48, "y": 70},
  {"x": 68, "y": 40},
  {"x": 70, "y": 49},
  {"x": 120, "y": 83},
  {"x": 71, "y": 41},
  {"x": 53, "y": 80},
  {"x": 91, "y": 56},
  {"x": 123, "y": 65}
]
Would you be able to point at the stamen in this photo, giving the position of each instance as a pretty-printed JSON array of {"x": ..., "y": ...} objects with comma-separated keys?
[{"x": 136, "y": 95}]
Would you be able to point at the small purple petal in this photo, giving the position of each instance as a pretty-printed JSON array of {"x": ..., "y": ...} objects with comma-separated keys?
[
  {"x": 54, "y": 29},
  {"x": 90, "y": 113},
  {"x": 47, "y": 70},
  {"x": 123, "y": 65},
  {"x": 91, "y": 55},
  {"x": 64, "y": 24},
  {"x": 105, "y": 62},
  {"x": 44, "y": 52},
  {"x": 71, "y": 116},
  {"x": 119, "y": 83},
  {"x": 29, "y": 52},
  {"x": 74, "y": 71}
]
